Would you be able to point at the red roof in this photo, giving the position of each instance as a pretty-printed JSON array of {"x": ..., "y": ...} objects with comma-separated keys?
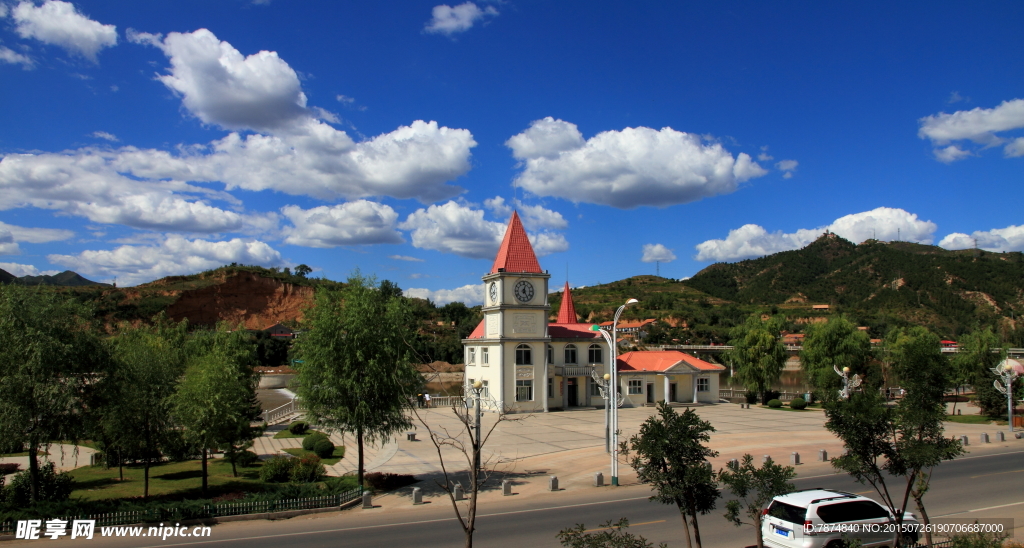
[
  {"x": 664, "y": 360},
  {"x": 516, "y": 253},
  {"x": 567, "y": 311},
  {"x": 478, "y": 332},
  {"x": 572, "y": 331}
]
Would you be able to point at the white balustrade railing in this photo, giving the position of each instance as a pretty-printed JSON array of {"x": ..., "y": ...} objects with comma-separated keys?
[{"x": 283, "y": 412}]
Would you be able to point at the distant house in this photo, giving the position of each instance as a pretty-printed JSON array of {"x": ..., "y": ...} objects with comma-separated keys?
[
  {"x": 630, "y": 329},
  {"x": 819, "y": 307},
  {"x": 279, "y": 330},
  {"x": 652, "y": 376},
  {"x": 792, "y": 339}
]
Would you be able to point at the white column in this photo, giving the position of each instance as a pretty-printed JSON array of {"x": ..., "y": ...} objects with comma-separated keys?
[
  {"x": 544, "y": 382},
  {"x": 694, "y": 378},
  {"x": 666, "y": 388}
]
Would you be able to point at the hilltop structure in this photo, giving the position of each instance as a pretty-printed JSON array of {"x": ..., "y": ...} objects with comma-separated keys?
[{"x": 528, "y": 364}]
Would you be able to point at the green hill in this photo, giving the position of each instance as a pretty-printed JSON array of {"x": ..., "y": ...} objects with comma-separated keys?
[
  {"x": 64, "y": 279},
  {"x": 6, "y": 277}
]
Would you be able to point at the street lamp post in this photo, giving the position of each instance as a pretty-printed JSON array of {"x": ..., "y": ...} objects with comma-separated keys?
[
  {"x": 1006, "y": 374},
  {"x": 614, "y": 393},
  {"x": 605, "y": 385},
  {"x": 477, "y": 389}
]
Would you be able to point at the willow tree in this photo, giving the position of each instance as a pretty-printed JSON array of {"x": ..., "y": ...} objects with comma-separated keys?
[
  {"x": 759, "y": 354},
  {"x": 51, "y": 360},
  {"x": 354, "y": 373},
  {"x": 835, "y": 344}
]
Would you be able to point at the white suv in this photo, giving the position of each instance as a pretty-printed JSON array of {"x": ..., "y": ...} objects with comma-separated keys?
[{"x": 818, "y": 518}]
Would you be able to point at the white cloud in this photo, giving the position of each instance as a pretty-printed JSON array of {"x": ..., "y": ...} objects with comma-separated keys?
[
  {"x": 20, "y": 270},
  {"x": 60, "y": 24},
  {"x": 459, "y": 229},
  {"x": 104, "y": 135},
  {"x": 950, "y": 154},
  {"x": 352, "y": 223},
  {"x": 35, "y": 235},
  {"x": 88, "y": 183},
  {"x": 1010, "y": 238},
  {"x": 470, "y": 295},
  {"x": 883, "y": 223},
  {"x": 657, "y": 253},
  {"x": 978, "y": 125},
  {"x": 7, "y": 244},
  {"x": 450, "y": 20},
  {"x": 406, "y": 258},
  {"x": 628, "y": 168},
  {"x": 175, "y": 255},
  {"x": 1014, "y": 148},
  {"x": 12, "y": 57},
  {"x": 533, "y": 217},
  {"x": 145, "y": 38}
]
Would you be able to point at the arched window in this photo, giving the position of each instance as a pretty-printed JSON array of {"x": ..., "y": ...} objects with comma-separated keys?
[
  {"x": 524, "y": 355},
  {"x": 551, "y": 354},
  {"x": 595, "y": 354},
  {"x": 570, "y": 354}
]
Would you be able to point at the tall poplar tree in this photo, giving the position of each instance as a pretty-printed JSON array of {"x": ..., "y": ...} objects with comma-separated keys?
[
  {"x": 759, "y": 354},
  {"x": 354, "y": 370}
]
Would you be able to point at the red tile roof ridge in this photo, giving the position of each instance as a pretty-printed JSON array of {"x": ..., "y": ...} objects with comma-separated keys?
[
  {"x": 567, "y": 310},
  {"x": 516, "y": 254}
]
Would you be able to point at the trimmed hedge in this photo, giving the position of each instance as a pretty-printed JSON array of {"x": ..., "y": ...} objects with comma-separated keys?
[
  {"x": 298, "y": 428},
  {"x": 798, "y": 403},
  {"x": 310, "y": 441},
  {"x": 775, "y": 404},
  {"x": 324, "y": 448}
]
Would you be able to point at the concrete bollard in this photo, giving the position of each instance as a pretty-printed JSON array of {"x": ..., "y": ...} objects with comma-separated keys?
[
  {"x": 506, "y": 488},
  {"x": 1017, "y": 435},
  {"x": 765, "y": 458},
  {"x": 984, "y": 437},
  {"x": 822, "y": 455},
  {"x": 1000, "y": 436},
  {"x": 794, "y": 458},
  {"x": 417, "y": 495},
  {"x": 367, "y": 500},
  {"x": 734, "y": 464},
  {"x": 599, "y": 480},
  {"x": 459, "y": 493},
  {"x": 963, "y": 440},
  {"x": 553, "y": 483}
]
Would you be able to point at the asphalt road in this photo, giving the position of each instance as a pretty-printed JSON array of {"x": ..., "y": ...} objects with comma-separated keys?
[{"x": 974, "y": 486}]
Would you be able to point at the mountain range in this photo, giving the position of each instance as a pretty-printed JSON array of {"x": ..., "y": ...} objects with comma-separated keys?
[{"x": 67, "y": 278}]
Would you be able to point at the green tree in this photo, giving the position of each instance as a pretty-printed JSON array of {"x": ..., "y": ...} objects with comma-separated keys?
[
  {"x": 900, "y": 444},
  {"x": 52, "y": 361},
  {"x": 355, "y": 374},
  {"x": 832, "y": 345},
  {"x": 214, "y": 400},
  {"x": 758, "y": 354},
  {"x": 303, "y": 270},
  {"x": 136, "y": 414},
  {"x": 755, "y": 487},
  {"x": 669, "y": 453},
  {"x": 973, "y": 364},
  {"x": 609, "y": 535}
]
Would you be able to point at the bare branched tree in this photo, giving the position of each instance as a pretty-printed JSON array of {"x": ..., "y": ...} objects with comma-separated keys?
[{"x": 469, "y": 441}]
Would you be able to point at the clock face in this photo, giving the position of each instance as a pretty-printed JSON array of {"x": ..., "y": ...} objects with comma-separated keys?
[
  {"x": 524, "y": 291},
  {"x": 494, "y": 292}
]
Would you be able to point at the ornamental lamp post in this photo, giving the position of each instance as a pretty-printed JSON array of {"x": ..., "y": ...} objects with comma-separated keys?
[
  {"x": 1007, "y": 374},
  {"x": 604, "y": 384},
  {"x": 477, "y": 389},
  {"x": 614, "y": 393},
  {"x": 849, "y": 383}
]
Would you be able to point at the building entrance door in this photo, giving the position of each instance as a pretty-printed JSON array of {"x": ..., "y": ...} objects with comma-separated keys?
[
  {"x": 573, "y": 393},
  {"x": 672, "y": 392},
  {"x": 650, "y": 392}
]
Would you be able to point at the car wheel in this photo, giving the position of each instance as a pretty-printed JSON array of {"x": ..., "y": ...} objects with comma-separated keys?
[
  {"x": 836, "y": 544},
  {"x": 911, "y": 538}
]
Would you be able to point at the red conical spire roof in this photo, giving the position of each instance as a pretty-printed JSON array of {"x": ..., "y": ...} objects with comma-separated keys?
[
  {"x": 566, "y": 312},
  {"x": 516, "y": 253}
]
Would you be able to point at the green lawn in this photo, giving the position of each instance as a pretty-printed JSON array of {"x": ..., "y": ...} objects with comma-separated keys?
[
  {"x": 169, "y": 480},
  {"x": 974, "y": 419},
  {"x": 783, "y": 408},
  {"x": 339, "y": 453}
]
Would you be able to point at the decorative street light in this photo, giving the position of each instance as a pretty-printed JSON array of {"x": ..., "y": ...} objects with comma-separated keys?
[
  {"x": 849, "y": 383},
  {"x": 614, "y": 393},
  {"x": 478, "y": 388},
  {"x": 1006, "y": 374},
  {"x": 604, "y": 384}
]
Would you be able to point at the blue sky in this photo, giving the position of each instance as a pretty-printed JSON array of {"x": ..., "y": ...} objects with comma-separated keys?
[{"x": 144, "y": 139}]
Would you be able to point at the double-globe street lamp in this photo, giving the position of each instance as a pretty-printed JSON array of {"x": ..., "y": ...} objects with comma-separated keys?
[
  {"x": 1006, "y": 373},
  {"x": 612, "y": 401}
]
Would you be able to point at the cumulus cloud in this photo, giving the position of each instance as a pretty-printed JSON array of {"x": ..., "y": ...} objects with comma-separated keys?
[
  {"x": 657, "y": 253},
  {"x": 470, "y": 295},
  {"x": 455, "y": 228},
  {"x": 35, "y": 235},
  {"x": 978, "y": 125},
  {"x": 450, "y": 20},
  {"x": 883, "y": 223},
  {"x": 12, "y": 57},
  {"x": 104, "y": 135},
  {"x": 405, "y": 258},
  {"x": 1010, "y": 238},
  {"x": 20, "y": 270},
  {"x": 533, "y": 216},
  {"x": 628, "y": 168},
  {"x": 787, "y": 167},
  {"x": 89, "y": 184},
  {"x": 352, "y": 223},
  {"x": 175, "y": 255},
  {"x": 7, "y": 244},
  {"x": 1014, "y": 148},
  {"x": 60, "y": 24}
]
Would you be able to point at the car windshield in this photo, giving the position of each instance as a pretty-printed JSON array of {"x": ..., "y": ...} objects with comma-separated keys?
[
  {"x": 851, "y": 511},
  {"x": 787, "y": 512}
]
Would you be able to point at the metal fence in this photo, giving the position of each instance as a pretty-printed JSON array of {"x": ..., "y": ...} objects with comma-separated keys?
[
  {"x": 741, "y": 392},
  {"x": 156, "y": 515}
]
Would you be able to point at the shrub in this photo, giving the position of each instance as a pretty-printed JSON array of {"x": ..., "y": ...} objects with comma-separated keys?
[
  {"x": 310, "y": 441},
  {"x": 277, "y": 469},
  {"x": 798, "y": 403},
  {"x": 175, "y": 447},
  {"x": 246, "y": 458},
  {"x": 324, "y": 448},
  {"x": 298, "y": 428},
  {"x": 388, "y": 482},
  {"x": 53, "y": 487},
  {"x": 8, "y": 468},
  {"x": 11, "y": 447},
  {"x": 775, "y": 404},
  {"x": 751, "y": 397},
  {"x": 308, "y": 469},
  {"x": 769, "y": 395}
]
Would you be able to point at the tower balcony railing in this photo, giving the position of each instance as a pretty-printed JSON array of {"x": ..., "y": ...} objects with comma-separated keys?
[{"x": 574, "y": 370}]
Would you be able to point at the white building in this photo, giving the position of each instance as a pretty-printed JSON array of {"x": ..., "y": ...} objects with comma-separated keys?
[{"x": 528, "y": 364}]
